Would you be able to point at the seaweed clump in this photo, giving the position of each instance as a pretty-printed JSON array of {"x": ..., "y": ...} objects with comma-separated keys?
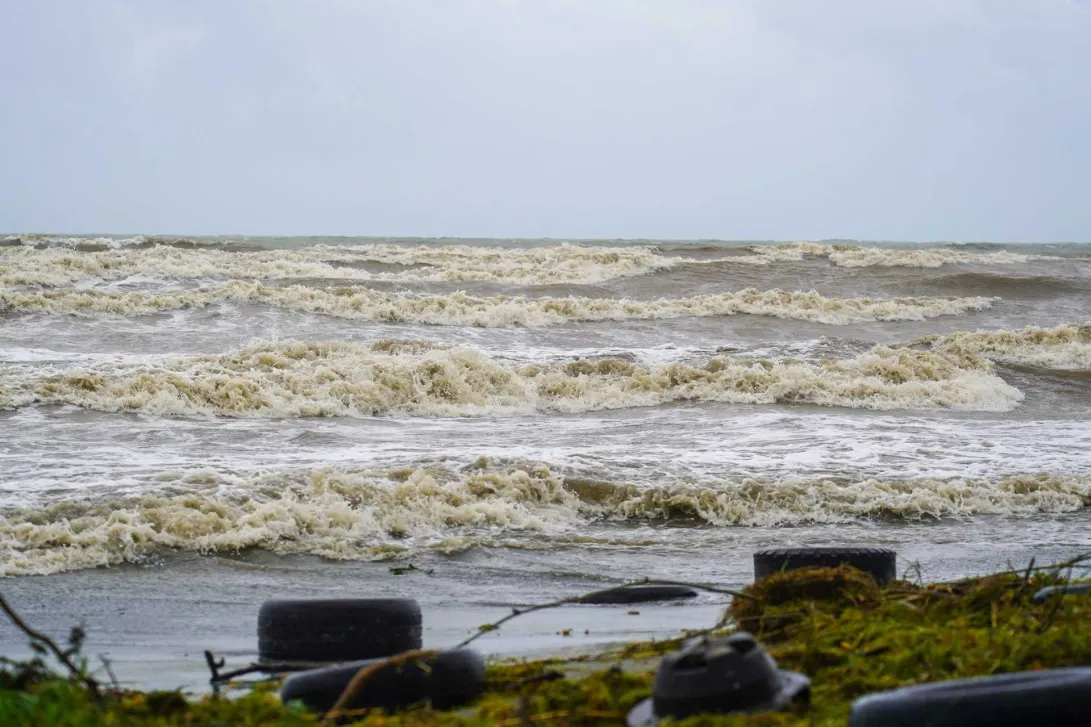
[{"x": 785, "y": 598}]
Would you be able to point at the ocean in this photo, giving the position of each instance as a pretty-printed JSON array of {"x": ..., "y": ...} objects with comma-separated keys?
[{"x": 191, "y": 425}]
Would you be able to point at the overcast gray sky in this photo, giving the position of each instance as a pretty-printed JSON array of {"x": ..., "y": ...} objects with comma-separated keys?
[{"x": 786, "y": 119}]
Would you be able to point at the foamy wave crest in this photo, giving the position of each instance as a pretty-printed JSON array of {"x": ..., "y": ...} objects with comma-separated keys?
[
  {"x": 1063, "y": 347},
  {"x": 292, "y": 379},
  {"x": 562, "y": 263},
  {"x": 43, "y": 241},
  {"x": 459, "y": 309},
  {"x": 364, "y": 515},
  {"x": 855, "y": 256},
  {"x": 331, "y": 513},
  {"x": 755, "y": 502},
  {"x": 76, "y": 260}
]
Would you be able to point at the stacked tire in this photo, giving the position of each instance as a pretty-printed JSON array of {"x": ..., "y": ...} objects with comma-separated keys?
[
  {"x": 356, "y": 634},
  {"x": 337, "y": 630}
]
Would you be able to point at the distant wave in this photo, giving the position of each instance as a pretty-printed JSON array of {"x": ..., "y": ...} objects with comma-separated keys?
[
  {"x": 75, "y": 242},
  {"x": 856, "y": 256},
  {"x": 460, "y": 309},
  {"x": 1006, "y": 286},
  {"x": 374, "y": 514},
  {"x": 294, "y": 379},
  {"x": 62, "y": 265}
]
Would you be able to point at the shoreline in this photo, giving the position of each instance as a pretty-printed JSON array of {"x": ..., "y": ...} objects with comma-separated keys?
[
  {"x": 850, "y": 636},
  {"x": 154, "y": 621}
]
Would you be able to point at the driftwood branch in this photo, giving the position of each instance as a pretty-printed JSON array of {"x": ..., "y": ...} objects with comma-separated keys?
[
  {"x": 218, "y": 678},
  {"x": 214, "y": 666},
  {"x": 487, "y": 628},
  {"x": 62, "y": 656}
]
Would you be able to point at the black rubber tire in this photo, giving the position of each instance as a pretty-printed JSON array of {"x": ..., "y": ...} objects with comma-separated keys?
[
  {"x": 338, "y": 630},
  {"x": 1056, "y": 697},
  {"x": 458, "y": 678},
  {"x": 640, "y": 594},
  {"x": 449, "y": 679},
  {"x": 881, "y": 563}
]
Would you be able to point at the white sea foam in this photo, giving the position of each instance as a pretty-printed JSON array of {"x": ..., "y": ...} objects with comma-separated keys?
[
  {"x": 561, "y": 263},
  {"x": 460, "y": 309},
  {"x": 71, "y": 242},
  {"x": 856, "y": 256},
  {"x": 370, "y": 514},
  {"x": 292, "y": 379},
  {"x": 1063, "y": 347}
]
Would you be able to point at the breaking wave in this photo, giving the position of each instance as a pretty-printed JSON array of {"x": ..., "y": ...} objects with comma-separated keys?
[
  {"x": 44, "y": 241},
  {"x": 460, "y": 309},
  {"x": 373, "y": 514},
  {"x": 855, "y": 256},
  {"x": 294, "y": 379},
  {"x": 563, "y": 263},
  {"x": 1066, "y": 347}
]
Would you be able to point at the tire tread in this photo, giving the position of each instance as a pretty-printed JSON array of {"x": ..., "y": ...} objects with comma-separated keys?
[
  {"x": 337, "y": 630},
  {"x": 880, "y": 563}
]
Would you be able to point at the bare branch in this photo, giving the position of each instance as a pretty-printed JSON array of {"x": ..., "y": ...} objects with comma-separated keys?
[
  {"x": 63, "y": 657},
  {"x": 487, "y": 628}
]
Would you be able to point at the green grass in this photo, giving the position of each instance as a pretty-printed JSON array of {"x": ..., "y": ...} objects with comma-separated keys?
[{"x": 835, "y": 625}]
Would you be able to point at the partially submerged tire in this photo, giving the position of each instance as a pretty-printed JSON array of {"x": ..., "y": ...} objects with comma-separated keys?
[
  {"x": 639, "y": 594},
  {"x": 337, "y": 630},
  {"x": 1058, "y": 697},
  {"x": 448, "y": 679},
  {"x": 881, "y": 563}
]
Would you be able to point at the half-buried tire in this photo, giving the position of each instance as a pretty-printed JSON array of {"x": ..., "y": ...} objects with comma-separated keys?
[
  {"x": 1059, "y": 697},
  {"x": 448, "y": 679},
  {"x": 337, "y": 630},
  {"x": 879, "y": 562},
  {"x": 639, "y": 594}
]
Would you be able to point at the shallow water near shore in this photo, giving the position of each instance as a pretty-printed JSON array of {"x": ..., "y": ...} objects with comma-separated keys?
[
  {"x": 189, "y": 427},
  {"x": 153, "y": 621}
]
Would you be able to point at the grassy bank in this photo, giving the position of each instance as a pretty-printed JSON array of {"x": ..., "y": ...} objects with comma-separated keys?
[{"x": 835, "y": 625}]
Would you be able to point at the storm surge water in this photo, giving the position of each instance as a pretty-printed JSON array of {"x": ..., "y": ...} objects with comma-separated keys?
[{"x": 358, "y": 399}]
